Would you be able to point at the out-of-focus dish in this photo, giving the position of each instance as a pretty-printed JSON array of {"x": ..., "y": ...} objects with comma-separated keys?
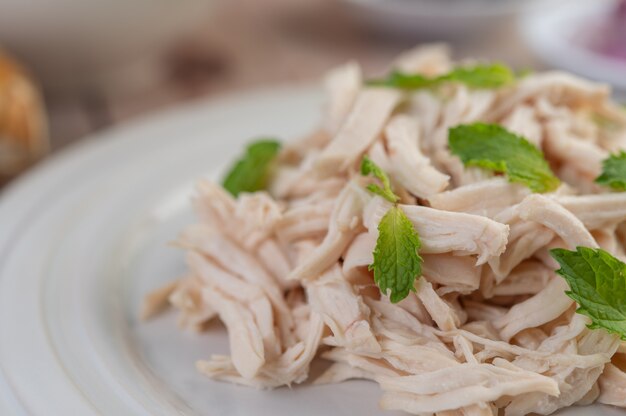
[
  {"x": 434, "y": 236},
  {"x": 574, "y": 38},
  {"x": 451, "y": 19},
  {"x": 608, "y": 36}
]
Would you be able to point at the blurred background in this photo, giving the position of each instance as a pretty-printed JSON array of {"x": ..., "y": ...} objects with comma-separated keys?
[{"x": 69, "y": 68}]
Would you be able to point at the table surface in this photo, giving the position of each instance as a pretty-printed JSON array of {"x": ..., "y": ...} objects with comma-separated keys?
[{"x": 248, "y": 43}]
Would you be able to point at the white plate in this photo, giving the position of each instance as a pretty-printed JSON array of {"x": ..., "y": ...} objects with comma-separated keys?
[{"x": 83, "y": 239}]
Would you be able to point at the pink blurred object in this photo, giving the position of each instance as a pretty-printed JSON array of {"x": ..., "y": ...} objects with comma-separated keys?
[
  {"x": 586, "y": 37},
  {"x": 609, "y": 37}
]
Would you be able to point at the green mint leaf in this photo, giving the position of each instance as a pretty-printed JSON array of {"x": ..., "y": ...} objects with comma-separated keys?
[
  {"x": 476, "y": 76},
  {"x": 598, "y": 284},
  {"x": 396, "y": 262},
  {"x": 251, "y": 172},
  {"x": 404, "y": 81},
  {"x": 481, "y": 76},
  {"x": 492, "y": 147},
  {"x": 368, "y": 167},
  {"x": 614, "y": 172}
]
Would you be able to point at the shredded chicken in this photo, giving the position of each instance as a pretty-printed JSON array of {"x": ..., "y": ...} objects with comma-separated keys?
[
  {"x": 487, "y": 198},
  {"x": 487, "y": 329},
  {"x": 361, "y": 128},
  {"x": 409, "y": 166}
]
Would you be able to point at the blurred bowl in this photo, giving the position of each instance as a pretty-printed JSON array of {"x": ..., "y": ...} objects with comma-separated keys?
[
  {"x": 555, "y": 38},
  {"x": 442, "y": 19},
  {"x": 72, "y": 44}
]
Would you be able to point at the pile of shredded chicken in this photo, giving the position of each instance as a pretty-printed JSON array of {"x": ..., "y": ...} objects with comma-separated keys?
[{"x": 488, "y": 326}]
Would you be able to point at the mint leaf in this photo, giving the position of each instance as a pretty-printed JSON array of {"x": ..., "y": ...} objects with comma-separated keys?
[
  {"x": 251, "y": 172},
  {"x": 598, "y": 284},
  {"x": 404, "y": 81},
  {"x": 368, "y": 167},
  {"x": 480, "y": 76},
  {"x": 396, "y": 262},
  {"x": 614, "y": 172},
  {"x": 476, "y": 76},
  {"x": 492, "y": 147}
]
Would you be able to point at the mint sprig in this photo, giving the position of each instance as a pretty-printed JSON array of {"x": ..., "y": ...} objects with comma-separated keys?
[
  {"x": 485, "y": 76},
  {"x": 396, "y": 261},
  {"x": 368, "y": 167},
  {"x": 492, "y": 147},
  {"x": 614, "y": 172},
  {"x": 598, "y": 284},
  {"x": 252, "y": 171}
]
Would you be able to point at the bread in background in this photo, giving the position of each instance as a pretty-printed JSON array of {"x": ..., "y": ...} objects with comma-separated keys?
[{"x": 23, "y": 125}]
